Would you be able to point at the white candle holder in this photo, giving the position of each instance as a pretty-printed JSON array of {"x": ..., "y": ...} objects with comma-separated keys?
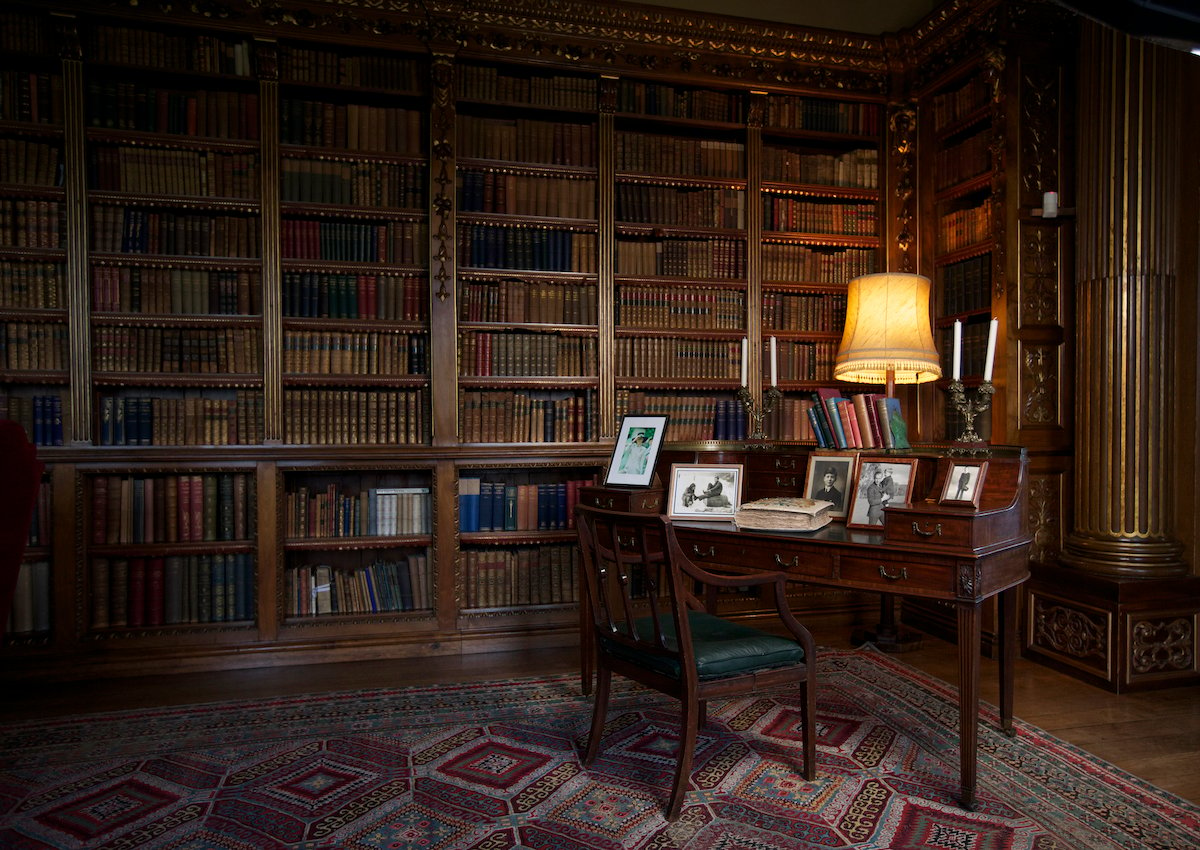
[{"x": 756, "y": 413}]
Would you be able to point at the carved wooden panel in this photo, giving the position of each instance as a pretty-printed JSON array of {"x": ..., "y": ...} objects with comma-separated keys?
[{"x": 1075, "y": 634}]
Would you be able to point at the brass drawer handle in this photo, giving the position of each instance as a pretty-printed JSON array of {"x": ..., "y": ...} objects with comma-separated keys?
[
  {"x": 790, "y": 464},
  {"x": 937, "y": 530},
  {"x": 883, "y": 573},
  {"x": 599, "y": 503},
  {"x": 711, "y": 553},
  {"x": 785, "y": 482},
  {"x": 795, "y": 562}
]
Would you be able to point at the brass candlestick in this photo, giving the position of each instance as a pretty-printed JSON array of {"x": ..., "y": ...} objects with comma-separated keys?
[
  {"x": 970, "y": 408},
  {"x": 756, "y": 413}
]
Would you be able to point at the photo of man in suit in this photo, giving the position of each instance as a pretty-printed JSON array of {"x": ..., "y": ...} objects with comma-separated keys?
[{"x": 829, "y": 490}]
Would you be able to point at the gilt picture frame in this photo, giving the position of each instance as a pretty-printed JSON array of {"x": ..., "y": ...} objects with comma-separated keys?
[
  {"x": 881, "y": 481},
  {"x": 964, "y": 484}
]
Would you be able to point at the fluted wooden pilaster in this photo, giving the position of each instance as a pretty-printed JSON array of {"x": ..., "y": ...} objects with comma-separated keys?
[{"x": 1128, "y": 195}]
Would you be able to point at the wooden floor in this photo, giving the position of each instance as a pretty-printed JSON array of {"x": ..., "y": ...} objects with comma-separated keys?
[{"x": 1154, "y": 735}]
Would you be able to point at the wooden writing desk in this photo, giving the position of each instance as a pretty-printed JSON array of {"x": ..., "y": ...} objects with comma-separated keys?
[{"x": 962, "y": 556}]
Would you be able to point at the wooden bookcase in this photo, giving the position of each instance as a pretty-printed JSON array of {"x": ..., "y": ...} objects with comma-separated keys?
[{"x": 330, "y": 259}]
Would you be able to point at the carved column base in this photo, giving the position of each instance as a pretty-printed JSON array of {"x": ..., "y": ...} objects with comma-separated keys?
[
  {"x": 1125, "y": 558},
  {"x": 1122, "y": 634}
]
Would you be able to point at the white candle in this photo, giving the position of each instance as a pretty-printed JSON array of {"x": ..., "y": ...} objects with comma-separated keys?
[
  {"x": 745, "y": 353},
  {"x": 957, "y": 350},
  {"x": 1050, "y": 205},
  {"x": 774, "y": 364},
  {"x": 991, "y": 350}
]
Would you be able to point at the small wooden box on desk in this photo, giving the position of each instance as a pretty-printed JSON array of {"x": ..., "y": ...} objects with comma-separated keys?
[{"x": 649, "y": 500}]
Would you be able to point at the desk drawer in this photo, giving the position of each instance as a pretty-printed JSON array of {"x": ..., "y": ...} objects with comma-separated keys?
[
  {"x": 817, "y": 563},
  {"x": 898, "y": 576},
  {"x": 931, "y": 529},
  {"x": 772, "y": 482}
]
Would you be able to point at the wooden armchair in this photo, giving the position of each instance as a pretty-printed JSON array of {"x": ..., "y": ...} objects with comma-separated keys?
[
  {"x": 652, "y": 621},
  {"x": 18, "y": 495}
]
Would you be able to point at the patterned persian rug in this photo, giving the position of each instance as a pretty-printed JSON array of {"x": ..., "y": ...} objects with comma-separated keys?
[{"x": 496, "y": 765}]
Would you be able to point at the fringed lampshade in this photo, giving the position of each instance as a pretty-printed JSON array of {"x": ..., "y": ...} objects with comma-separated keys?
[{"x": 887, "y": 339}]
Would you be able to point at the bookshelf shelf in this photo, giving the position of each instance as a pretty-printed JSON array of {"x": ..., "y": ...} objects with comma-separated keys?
[{"x": 965, "y": 253}]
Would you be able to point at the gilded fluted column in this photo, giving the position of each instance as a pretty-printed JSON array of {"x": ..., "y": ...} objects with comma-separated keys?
[{"x": 1127, "y": 275}]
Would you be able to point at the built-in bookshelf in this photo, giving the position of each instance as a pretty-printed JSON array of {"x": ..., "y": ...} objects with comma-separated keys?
[
  {"x": 517, "y": 536},
  {"x": 353, "y": 227},
  {"x": 34, "y": 347},
  {"x": 323, "y": 255},
  {"x": 30, "y": 620},
  {"x": 357, "y": 545}
]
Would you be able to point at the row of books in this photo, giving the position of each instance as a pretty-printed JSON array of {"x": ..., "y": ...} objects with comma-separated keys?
[
  {"x": 39, "y": 522},
  {"x": 805, "y": 311},
  {"x": 967, "y": 286},
  {"x": 190, "y": 419},
  {"x": 187, "y": 507},
  {"x": 32, "y": 285},
  {"x": 179, "y": 350},
  {"x": 487, "y": 354},
  {"x": 171, "y": 590},
  {"x": 788, "y": 420},
  {"x": 384, "y": 586},
  {"x": 508, "y": 506},
  {"x": 526, "y": 194},
  {"x": 670, "y": 101},
  {"x": 505, "y": 416},
  {"x": 789, "y": 261},
  {"x": 173, "y": 171},
  {"x": 350, "y": 127},
  {"x": 380, "y": 185},
  {"x": 41, "y": 415},
  {"x": 643, "y": 153},
  {"x": 804, "y": 361},
  {"x": 519, "y": 247},
  {"x": 489, "y": 84},
  {"x": 786, "y": 213},
  {"x": 31, "y": 96},
  {"x": 30, "y": 613},
  {"x": 527, "y": 140},
  {"x": 357, "y": 70},
  {"x": 32, "y": 224},
  {"x": 26, "y": 162},
  {"x": 690, "y": 417},
  {"x": 356, "y": 417},
  {"x": 974, "y": 347},
  {"x": 355, "y": 353},
  {"x": 519, "y": 301},
  {"x": 392, "y": 297},
  {"x": 857, "y": 168},
  {"x": 664, "y": 357},
  {"x": 965, "y": 160},
  {"x": 176, "y": 291},
  {"x": 336, "y": 511},
  {"x": 788, "y": 112},
  {"x": 168, "y": 51},
  {"x": 132, "y": 230},
  {"x": 396, "y": 242},
  {"x": 124, "y": 104},
  {"x": 949, "y": 107},
  {"x": 33, "y": 345},
  {"x": 720, "y": 258},
  {"x": 686, "y": 206},
  {"x": 655, "y": 307},
  {"x": 961, "y": 228},
  {"x": 863, "y": 421},
  {"x": 529, "y": 575}
]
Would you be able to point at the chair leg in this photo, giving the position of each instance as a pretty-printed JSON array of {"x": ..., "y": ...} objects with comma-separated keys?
[
  {"x": 599, "y": 713},
  {"x": 703, "y": 717},
  {"x": 808, "y": 720},
  {"x": 687, "y": 746}
]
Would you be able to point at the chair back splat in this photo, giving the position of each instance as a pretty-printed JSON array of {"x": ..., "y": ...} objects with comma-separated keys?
[{"x": 654, "y": 620}]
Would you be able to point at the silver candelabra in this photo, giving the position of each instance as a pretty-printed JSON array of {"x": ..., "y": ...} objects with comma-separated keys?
[{"x": 756, "y": 413}]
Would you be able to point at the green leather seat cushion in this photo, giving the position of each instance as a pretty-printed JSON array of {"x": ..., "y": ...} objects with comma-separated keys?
[{"x": 723, "y": 648}]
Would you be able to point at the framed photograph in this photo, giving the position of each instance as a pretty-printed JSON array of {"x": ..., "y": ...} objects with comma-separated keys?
[
  {"x": 636, "y": 450},
  {"x": 705, "y": 491},
  {"x": 964, "y": 483},
  {"x": 881, "y": 481},
  {"x": 831, "y": 479}
]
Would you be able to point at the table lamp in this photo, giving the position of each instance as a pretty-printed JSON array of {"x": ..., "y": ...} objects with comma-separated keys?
[{"x": 887, "y": 337}]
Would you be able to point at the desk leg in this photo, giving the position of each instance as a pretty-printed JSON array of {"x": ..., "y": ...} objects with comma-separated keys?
[
  {"x": 969, "y": 639},
  {"x": 1008, "y": 657}
]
